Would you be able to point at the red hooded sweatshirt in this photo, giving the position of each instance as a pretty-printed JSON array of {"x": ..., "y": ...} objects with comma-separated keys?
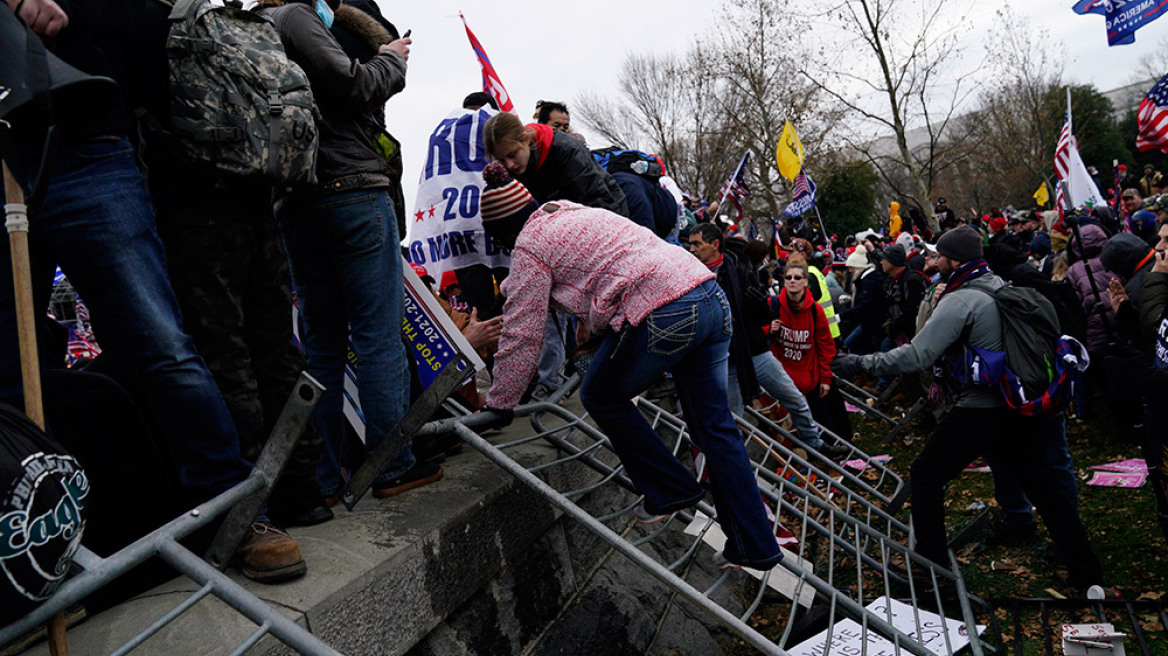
[{"x": 803, "y": 343}]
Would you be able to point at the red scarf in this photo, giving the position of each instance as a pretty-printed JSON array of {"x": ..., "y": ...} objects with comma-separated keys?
[{"x": 542, "y": 136}]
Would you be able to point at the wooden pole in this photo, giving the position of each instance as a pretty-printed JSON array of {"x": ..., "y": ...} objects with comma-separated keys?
[{"x": 30, "y": 368}]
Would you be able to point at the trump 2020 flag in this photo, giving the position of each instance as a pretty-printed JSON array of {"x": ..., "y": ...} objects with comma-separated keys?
[
  {"x": 491, "y": 82},
  {"x": 1123, "y": 17},
  {"x": 802, "y": 196},
  {"x": 1153, "y": 118},
  {"x": 445, "y": 231}
]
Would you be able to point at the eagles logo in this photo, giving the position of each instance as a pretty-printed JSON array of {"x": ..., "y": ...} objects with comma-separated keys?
[{"x": 41, "y": 522}]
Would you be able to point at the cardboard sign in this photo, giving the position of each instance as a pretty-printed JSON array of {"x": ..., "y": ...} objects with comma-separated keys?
[
  {"x": 848, "y": 637},
  {"x": 431, "y": 337}
]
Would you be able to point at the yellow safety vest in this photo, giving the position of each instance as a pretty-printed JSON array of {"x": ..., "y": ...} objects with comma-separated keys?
[{"x": 824, "y": 301}]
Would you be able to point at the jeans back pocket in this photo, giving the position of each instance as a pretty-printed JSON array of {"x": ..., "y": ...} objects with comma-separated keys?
[{"x": 672, "y": 329}]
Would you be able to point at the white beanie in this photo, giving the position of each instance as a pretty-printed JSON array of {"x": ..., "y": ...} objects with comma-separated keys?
[{"x": 858, "y": 259}]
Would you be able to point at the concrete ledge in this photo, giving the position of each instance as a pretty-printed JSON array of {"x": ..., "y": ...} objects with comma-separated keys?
[
  {"x": 379, "y": 578},
  {"x": 477, "y": 564}
]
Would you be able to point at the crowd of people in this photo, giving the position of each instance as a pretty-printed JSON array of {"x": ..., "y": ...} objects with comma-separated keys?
[{"x": 190, "y": 282}]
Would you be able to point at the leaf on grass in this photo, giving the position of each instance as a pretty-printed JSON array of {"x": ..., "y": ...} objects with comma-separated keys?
[{"x": 1150, "y": 596}]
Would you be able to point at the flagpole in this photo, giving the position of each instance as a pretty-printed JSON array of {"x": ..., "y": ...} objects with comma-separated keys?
[{"x": 821, "y": 226}]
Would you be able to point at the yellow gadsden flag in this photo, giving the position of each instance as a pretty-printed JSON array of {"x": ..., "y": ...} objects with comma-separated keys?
[
  {"x": 789, "y": 152},
  {"x": 1042, "y": 197}
]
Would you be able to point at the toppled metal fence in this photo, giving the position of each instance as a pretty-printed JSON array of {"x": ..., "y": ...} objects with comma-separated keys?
[
  {"x": 848, "y": 576},
  {"x": 240, "y": 503}
]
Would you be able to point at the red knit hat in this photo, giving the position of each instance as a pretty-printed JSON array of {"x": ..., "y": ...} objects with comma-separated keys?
[{"x": 504, "y": 196}]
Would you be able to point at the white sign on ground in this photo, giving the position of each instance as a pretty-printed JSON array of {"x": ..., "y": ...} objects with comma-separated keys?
[{"x": 847, "y": 636}]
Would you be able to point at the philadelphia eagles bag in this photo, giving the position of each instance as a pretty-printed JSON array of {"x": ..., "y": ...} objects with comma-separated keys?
[
  {"x": 238, "y": 105},
  {"x": 42, "y": 514}
]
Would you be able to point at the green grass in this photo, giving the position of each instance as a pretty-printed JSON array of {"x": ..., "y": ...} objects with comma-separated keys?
[{"x": 1120, "y": 522}]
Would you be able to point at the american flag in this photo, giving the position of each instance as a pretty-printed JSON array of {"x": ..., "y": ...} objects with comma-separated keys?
[
  {"x": 1153, "y": 118},
  {"x": 801, "y": 186},
  {"x": 1062, "y": 152},
  {"x": 734, "y": 189}
]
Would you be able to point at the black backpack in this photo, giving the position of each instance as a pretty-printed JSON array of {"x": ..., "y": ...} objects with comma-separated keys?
[
  {"x": 238, "y": 105},
  {"x": 42, "y": 514},
  {"x": 616, "y": 159}
]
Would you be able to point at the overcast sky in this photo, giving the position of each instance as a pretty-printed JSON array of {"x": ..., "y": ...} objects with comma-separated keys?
[{"x": 554, "y": 51}]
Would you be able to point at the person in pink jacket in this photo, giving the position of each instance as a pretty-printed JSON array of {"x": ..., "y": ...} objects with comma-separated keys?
[{"x": 659, "y": 310}]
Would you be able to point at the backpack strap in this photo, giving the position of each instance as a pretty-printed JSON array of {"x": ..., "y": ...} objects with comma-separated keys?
[
  {"x": 180, "y": 9},
  {"x": 275, "y": 108}
]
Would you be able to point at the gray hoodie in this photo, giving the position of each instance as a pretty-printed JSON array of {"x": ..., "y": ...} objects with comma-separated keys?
[{"x": 962, "y": 307}]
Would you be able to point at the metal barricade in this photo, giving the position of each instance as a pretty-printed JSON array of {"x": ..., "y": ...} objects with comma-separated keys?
[
  {"x": 851, "y": 558},
  {"x": 242, "y": 502}
]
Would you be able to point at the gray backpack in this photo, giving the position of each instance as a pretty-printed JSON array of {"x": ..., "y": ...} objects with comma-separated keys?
[{"x": 238, "y": 105}]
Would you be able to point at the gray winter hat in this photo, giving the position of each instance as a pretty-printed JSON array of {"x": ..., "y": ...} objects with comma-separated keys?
[{"x": 961, "y": 244}]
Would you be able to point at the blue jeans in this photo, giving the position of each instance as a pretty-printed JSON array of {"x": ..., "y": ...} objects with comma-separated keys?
[
  {"x": 348, "y": 276},
  {"x": 1052, "y": 438},
  {"x": 857, "y": 342},
  {"x": 97, "y": 223},
  {"x": 779, "y": 386},
  {"x": 691, "y": 338},
  {"x": 554, "y": 353}
]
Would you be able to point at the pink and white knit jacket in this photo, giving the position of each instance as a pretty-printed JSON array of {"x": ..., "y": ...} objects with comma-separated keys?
[{"x": 591, "y": 263}]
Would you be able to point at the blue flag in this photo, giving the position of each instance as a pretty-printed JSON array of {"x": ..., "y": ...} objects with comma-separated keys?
[
  {"x": 1123, "y": 17},
  {"x": 802, "y": 196}
]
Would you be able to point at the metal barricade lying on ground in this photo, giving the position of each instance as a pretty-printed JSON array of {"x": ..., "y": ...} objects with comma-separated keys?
[
  {"x": 851, "y": 560},
  {"x": 241, "y": 502}
]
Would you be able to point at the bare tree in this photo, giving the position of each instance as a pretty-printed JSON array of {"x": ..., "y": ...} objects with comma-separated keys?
[
  {"x": 761, "y": 65},
  {"x": 1153, "y": 65},
  {"x": 1014, "y": 149},
  {"x": 907, "y": 82}
]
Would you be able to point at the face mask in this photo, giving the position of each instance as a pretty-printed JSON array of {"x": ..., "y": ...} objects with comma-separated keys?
[{"x": 325, "y": 12}]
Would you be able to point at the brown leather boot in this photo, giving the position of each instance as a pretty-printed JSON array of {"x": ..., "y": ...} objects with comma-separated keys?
[{"x": 269, "y": 555}]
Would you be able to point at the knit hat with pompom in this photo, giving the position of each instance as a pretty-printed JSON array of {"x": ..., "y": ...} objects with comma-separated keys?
[{"x": 504, "y": 196}]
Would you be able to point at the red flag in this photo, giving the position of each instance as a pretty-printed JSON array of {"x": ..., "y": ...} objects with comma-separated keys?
[{"x": 491, "y": 82}]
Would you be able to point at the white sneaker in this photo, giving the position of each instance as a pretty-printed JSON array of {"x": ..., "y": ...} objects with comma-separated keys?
[{"x": 644, "y": 516}]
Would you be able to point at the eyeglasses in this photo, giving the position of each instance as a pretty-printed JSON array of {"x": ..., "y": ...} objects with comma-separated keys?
[{"x": 792, "y": 277}]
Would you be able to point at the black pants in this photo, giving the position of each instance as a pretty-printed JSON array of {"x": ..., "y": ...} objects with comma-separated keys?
[
  {"x": 967, "y": 433},
  {"x": 831, "y": 412},
  {"x": 229, "y": 269}
]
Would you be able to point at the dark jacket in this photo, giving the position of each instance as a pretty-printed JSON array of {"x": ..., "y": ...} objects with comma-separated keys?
[
  {"x": 1153, "y": 320},
  {"x": 568, "y": 172},
  {"x": 748, "y": 311},
  {"x": 649, "y": 205},
  {"x": 904, "y": 300},
  {"x": 870, "y": 306},
  {"x": 349, "y": 94},
  {"x": 360, "y": 29},
  {"x": 1128, "y": 256}
]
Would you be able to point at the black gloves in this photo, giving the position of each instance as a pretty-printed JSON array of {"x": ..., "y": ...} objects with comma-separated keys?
[{"x": 846, "y": 365}]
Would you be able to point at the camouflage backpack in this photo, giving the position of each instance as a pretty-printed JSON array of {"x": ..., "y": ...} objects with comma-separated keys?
[{"x": 238, "y": 105}]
